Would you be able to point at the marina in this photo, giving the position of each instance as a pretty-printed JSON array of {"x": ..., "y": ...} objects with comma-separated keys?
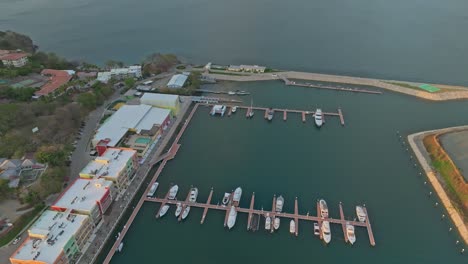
[{"x": 232, "y": 210}]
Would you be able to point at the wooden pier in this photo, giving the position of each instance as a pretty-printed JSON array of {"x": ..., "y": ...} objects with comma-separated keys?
[
  {"x": 205, "y": 211},
  {"x": 343, "y": 225},
  {"x": 230, "y": 111},
  {"x": 303, "y": 117},
  {"x": 341, "y": 116},
  {"x": 162, "y": 204},
  {"x": 295, "y": 216},
  {"x": 285, "y": 115},
  {"x": 252, "y": 201}
]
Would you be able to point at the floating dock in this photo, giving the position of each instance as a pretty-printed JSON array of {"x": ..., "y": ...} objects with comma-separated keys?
[{"x": 294, "y": 216}]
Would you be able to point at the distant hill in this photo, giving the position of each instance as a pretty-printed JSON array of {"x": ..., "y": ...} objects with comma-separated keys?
[{"x": 10, "y": 40}]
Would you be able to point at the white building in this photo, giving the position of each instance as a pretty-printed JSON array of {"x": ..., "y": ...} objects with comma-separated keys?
[
  {"x": 86, "y": 197},
  {"x": 177, "y": 81},
  {"x": 56, "y": 237},
  {"x": 253, "y": 68},
  {"x": 134, "y": 118},
  {"x": 14, "y": 59},
  {"x": 120, "y": 73},
  {"x": 168, "y": 101}
]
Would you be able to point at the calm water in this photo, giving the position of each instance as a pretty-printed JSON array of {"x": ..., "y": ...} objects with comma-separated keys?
[
  {"x": 401, "y": 39},
  {"x": 363, "y": 162}
]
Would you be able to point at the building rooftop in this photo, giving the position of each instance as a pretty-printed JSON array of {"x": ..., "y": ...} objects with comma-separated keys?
[
  {"x": 157, "y": 97},
  {"x": 57, "y": 79},
  {"x": 83, "y": 194},
  {"x": 49, "y": 235},
  {"x": 253, "y": 67},
  {"x": 135, "y": 117},
  {"x": 110, "y": 164},
  {"x": 177, "y": 80},
  {"x": 13, "y": 56}
]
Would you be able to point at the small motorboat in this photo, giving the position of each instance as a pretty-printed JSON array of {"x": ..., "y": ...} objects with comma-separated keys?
[
  {"x": 193, "y": 195},
  {"x": 350, "y": 233},
  {"x": 361, "y": 214},
  {"x": 292, "y": 227},
  {"x": 234, "y": 109},
  {"x": 268, "y": 222},
  {"x": 186, "y": 212},
  {"x": 178, "y": 210},
  {"x": 163, "y": 210},
  {"x": 279, "y": 204},
  {"x": 173, "y": 192},
  {"x": 276, "y": 223},
  {"x": 120, "y": 247},
  {"x": 226, "y": 198},
  {"x": 316, "y": 229}
]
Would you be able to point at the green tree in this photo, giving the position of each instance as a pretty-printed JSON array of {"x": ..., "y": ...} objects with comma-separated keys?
[
  {"x": 87, "y": 100},
  {"x": 52, "y": 155},
  {"x": 129, "y": 82}
]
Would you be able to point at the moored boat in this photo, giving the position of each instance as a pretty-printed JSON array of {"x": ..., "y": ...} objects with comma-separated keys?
[
  {"x": 153, "y": 189},
  {"x": 186, "y": 212},
  {"x": 120, "y": 247},
  {"x": 163, "y": 210},
  {"x": 316, "y": 229},
  {"x": 323, "y": 208},
  {"x": 279, "y": 204},
  {"x": 237, "y": 194},
  {"x": 350, "y": 233},
  {"x": 193, "y": 195},
  {"x": 232, "y": 217},
  {"x": 292, "y": 227},
  {"x": 173, "y": 192},
  {"x": 231, "y": 93},
  {"x": 268, "y": 222},
  {"x": 361, "y": 214},
  {"x": 276, "y": 223},
  {"x": 326, "y": 233},
  {"x": 318, "y": 117},
  {"x": 178, "y": 210},
  {"x": 226, "y": 198},
  {"x": 270, "y": 114},
  {"x": 234, "y": 109}
]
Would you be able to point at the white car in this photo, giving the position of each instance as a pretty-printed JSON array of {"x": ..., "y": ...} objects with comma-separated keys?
[{"x": 16, "y": 240}]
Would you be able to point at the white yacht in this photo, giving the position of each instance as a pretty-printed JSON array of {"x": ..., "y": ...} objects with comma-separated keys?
[
  {"x": 292, "y": 227},
  {"x": 153, "y": 189},
  {"x": 361, "y": 214},
  {"x": 276, "y": 223},
  {"x": 218, "y": 109},
  {"x": 316, "y": 229},
  {"x": 270, "y": 114},
  {"x": 120, "y": 247},
  {"x": 323, "y": 208},
  {"x": 226, "y": 198},
  {"x": 193, "y": 195},
  {"x": 231, "y": 93},
  {"x": 234, "y": 109},
  {"x": 163, "y": 210},
  {"x": 232, "y": 217},
  {"x": 186, "y": 212},
  {"x": 178, "y": 210},
  {"x": 237, "y": 194},
  {"x": 326, "y": 231},
  {"x": 268, "y": 222},
  {"x": 350, "y": 233},
  {"x": 318, "y": 117},
  {"x": 279, "y": 204},
  {"x": 173, "y": 192}
]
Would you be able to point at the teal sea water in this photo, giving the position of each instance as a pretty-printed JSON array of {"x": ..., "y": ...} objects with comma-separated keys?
[
  {"x": 419, "y": 40},
  {"x": 363, "y": 162}
]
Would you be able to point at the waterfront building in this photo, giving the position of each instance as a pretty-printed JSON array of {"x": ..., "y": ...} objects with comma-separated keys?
[
  {"x": 167, "y": 101},
  {"x": 177, "y": 81},
  {"x": 120, "y": 73},
  {"x": 91, "y": 197},
  {"x": 247, "y": 68},
  {"x": 57, "y": 78},
  {"x": 115, "y": 164},
  {"x": 56, "y": 237},
  {"x": 140, "y": 123},
  {"x": 14, "y": 59},
  {"x": 234, "y": 68}
]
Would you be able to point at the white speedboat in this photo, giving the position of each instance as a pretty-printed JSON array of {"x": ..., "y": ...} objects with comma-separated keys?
[
  {"x": 279, "y": 204},
  {"x": 234, "y": 109},
  {"x": 276, "y": 223},
  {"x": 292, "y": 227},
  {"x": 350, "y": 233},
  {"x": 153, "y": 189},
  {"x": 186, "y": 212},
  {"x": 120, "y": 247},
  {"x": 323, "y": 208},
  {"x": 193, "y": 195},
  {"x": 361, "y": 214},
  {"x": 163, "y": 210},
  {"x": 237, "y": 194},
  {"x": 226, "y": 198},
  {"x": 178, "y": 210},
  {"x": 270, "y": 114},
  {"x": 318, "y": 117},
  {"x": 173, "y": 192},
  {"x": 232, "y": 217},
  {"x": 231, "y": 93},
  {"x": 268, "y": 222},
  {"x": 251, "y": 113},
  {"x": 316, "y": 229},
  {"x": 326, "y": 231}
]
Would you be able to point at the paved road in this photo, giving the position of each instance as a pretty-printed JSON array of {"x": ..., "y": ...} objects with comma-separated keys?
[{"x": 117, "y": 208}]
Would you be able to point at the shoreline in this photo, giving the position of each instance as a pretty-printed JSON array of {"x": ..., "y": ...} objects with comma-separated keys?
[
  {"x": 416, "y": 143},
  {"x": 460, "y": 93}
]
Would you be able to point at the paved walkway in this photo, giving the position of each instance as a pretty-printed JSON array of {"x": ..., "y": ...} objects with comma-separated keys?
[
  {"x": 118, "y": 208},
  {"x": 460, "y": 93},
  {"x": 415, "y": 141}
]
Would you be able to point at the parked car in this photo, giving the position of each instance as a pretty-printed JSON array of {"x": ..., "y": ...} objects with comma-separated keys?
[
  {"x": 93, "y": 153},
  {"x": 16, "y": 240}
]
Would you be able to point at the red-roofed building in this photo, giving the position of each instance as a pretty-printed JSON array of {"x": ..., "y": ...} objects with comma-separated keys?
[
  {"x": 56, "y": 80},
  {"x": 15, "y": 59}
]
